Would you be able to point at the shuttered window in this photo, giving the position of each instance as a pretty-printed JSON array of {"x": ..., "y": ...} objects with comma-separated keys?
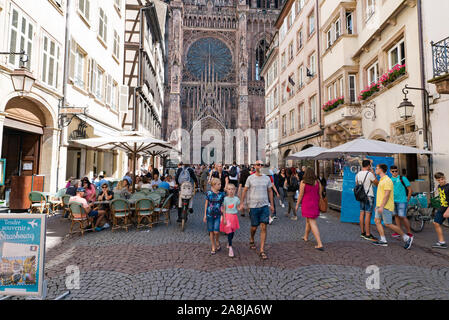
[{"x": 21, "y": 38}]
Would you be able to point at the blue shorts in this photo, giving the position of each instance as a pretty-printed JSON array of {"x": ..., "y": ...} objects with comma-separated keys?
[
  {"x": 259, "y": 215},
  {"x": 367, "y": 206},
  {"x": 93, "y": 213},
  {"x": 400, "y": 209},
  {"x": 213, "y": 224},
  {"x": 439, "y": 218},
  {"x": 386, "y": 216}
]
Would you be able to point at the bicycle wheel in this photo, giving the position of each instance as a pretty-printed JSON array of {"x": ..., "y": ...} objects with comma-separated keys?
[
  {"x": 184, "y": 219},
  {"x": 414, "y": 216}
]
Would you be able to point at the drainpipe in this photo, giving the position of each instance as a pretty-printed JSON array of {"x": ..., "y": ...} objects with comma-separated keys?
[
  {"x": 64, "y": 84},
  {"x": 424, "y": 96},
  {"x": 317, "y": 14}
]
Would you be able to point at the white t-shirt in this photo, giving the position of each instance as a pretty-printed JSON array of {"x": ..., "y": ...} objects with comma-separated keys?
[{"x": 368, "y": 182}]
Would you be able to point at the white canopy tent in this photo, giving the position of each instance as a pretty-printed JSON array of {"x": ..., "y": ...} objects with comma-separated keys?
[
  {"x": 307, "y": 154},
  {"x": 130, "y": 142}
]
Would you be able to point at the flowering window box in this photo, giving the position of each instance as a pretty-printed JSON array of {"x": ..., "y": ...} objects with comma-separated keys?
[
  {"x": 393, "y": 74},
  {"x": 369, "y": 91},
  {"x": 332, "y": 104}
]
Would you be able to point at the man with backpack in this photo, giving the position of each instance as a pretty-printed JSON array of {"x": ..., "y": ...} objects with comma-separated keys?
[
  {"x": 184, "y": 174},
  {"x": 364, "y": 193},
  {"x": 402, "y": 195},
  {"x": 234, "y": 174}
]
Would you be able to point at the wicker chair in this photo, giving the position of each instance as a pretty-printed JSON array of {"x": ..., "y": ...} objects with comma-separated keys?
[
  {"x": 39, "y": 202},
  {"x": 163, "y": 192},
  {"x": 56, "y": 201},
  {"x": 65, "y": 206},
  {"x": 79, "y": 216},
  {"x": 120, "y": 210},
  {"x": 144, "y": 210},
  {"x": 164, "y": 210}
]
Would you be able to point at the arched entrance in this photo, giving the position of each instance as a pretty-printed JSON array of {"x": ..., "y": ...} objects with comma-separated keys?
[{"x": 29, "y": 141}]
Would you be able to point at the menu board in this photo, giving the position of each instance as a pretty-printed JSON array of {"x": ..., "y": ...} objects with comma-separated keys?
[{"x": 22, "y": 254}]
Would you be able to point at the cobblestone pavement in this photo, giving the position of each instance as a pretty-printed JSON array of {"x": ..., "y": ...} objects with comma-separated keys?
[{"x": 165, "y": 263}]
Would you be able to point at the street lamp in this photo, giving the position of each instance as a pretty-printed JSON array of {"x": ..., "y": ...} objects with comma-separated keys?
[
  {"x": 406, "y": 107},
  {"x": 22, "y": 80}
]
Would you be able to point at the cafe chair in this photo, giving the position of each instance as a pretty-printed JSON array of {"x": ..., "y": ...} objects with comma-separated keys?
[
  {"x": 144, "y": 211},
  {"x": 79, "y": 216},
  {"x": 164, "y": 210},
  {"x": 120, "y": 211},
  {"x": 38, "y": 202},
  {"x": 56, "y": 200},
  {"x": 65, "y": 206}
]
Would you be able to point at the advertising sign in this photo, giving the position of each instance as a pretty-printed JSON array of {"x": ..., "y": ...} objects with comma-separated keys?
[
  {"x": 350, "y": 207},
  {"x": 22, "y": 250}
]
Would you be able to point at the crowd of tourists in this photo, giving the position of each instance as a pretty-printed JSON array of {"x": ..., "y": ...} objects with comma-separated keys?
[{"x": 231, "y": 190}]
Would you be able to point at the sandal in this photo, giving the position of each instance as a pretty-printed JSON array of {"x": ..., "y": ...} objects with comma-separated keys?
[
  {"x": 263, "y": 256},
  {"x": 305, "y": 240},
  {"x": 218, "y": 249},
  {"x": 252, "y": 245},
  {"x": 320, "y": 249},
  {"x": 213, "y": 252}
]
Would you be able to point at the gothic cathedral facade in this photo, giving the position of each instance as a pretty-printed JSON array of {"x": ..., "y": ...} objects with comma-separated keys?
[{"x": 214, "y": 93}]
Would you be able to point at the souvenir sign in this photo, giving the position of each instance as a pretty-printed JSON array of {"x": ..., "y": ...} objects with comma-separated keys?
[{"x": 22, "y": 251}]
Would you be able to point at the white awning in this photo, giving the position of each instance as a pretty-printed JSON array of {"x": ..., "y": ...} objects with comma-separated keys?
[{"x": 100, "y": 129}]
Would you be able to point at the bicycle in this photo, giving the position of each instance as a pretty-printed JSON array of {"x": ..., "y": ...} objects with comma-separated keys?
[{"x": 417, "y": 214}]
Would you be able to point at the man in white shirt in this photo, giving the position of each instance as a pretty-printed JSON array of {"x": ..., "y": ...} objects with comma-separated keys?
[
  {"x": 234, "y": 179},
  {"x": 367, "y": 178}
]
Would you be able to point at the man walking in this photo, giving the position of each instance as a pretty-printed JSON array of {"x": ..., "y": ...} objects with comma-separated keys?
[
  {"x": 402, "y": 195},
  {"x": 260, "y": 196},
  {"x": 443, "y": 212},
  {"x": 367, "y": 179},
  {"x": 234, "y": 174},
  {"x": 385, "y": 208}
]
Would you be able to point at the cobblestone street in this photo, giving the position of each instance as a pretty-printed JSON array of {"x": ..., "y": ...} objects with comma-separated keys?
[{"x": 165, "y": 263}]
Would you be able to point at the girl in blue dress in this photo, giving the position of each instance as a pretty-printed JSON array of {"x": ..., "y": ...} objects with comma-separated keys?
[{"x": 212, "y": 213}]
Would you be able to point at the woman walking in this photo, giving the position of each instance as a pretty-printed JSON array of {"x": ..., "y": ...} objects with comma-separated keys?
[
  {"x": 281, "y": 187},
  {"x": 292, "y": 185},
  {"x": 310, "y": 193}
]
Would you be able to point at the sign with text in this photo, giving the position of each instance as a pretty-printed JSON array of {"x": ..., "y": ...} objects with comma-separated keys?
[{"x": 22, "y": 252}]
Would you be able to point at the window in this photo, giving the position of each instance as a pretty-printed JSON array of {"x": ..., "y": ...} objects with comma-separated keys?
[
  {"x": 98, "y": 81},
  {"x": 396, "y": 55},
  {"x": 292, "y": 90},
  {"x": 312, "y": 64},
  {"x": 284, "y": 90},
  {"x": 373, "y": 73},
  {"x": 289, "y": 21},
  {"x": 329, "y": 93},
  {"x": 370, "y": 8},
  {"x": 284, "y": 125},
  {"x": 313, "y": 111},
  {"x": 275, "y": 71},
  {"x": 292, "y": 121},
  {"x": 116, "y": 47},
  {"x": 80, "y": 58},
  {"x": 50, "y": 62},
  {"x": 299, "y": 5},
  {"x": 103, "y": 26},
  {"x": 302, "y": 119},
  {"x": 21, "y": 38},
  {"x": 311, "y": 23},
  {"x": 84, "y": 8},
  {"x": 349, "y": 23},
  {"x": 352, "y": 88},
  {"x": 301, "y": 76},
  {"x": 299, "y": 40},
  {"x": 283, "y": 62},
  {"x": 276, "y": 97},
  {"x": 114, "y": 94},
  {"x": 290, "y": 51},
  {"x": 340, "y": 82},
  {"x": 337, "y": 27},
  {"x": 329, "y": 38}
]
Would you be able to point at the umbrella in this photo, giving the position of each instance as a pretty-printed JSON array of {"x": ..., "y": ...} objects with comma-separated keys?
[
  {"x": 369, "y": 147},
  {"x": 309, "y": 153},
  {"x": 131, "y": 142}
]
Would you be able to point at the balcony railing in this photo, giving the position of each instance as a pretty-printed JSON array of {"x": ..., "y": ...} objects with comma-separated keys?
[{"x": 440, "y": 53}]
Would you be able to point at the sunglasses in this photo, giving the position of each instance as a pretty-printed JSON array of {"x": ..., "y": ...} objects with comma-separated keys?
[
  {"x": 394, "y": 171},
  {"x": 258, "y": 164}
]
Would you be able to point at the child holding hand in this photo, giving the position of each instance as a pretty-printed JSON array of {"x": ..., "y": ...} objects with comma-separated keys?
[
  {"x": 213, "y": 213},
  {"x": 230, "y": 222}
]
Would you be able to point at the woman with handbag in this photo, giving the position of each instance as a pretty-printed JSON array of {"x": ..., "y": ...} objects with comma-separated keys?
[{"x": 310, "y": 195}]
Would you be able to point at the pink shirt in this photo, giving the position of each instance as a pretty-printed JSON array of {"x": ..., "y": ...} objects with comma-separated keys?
[{"x": 80, "y": 200}]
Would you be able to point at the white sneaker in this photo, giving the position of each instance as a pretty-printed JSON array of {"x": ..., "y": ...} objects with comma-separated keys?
[
  {"x": 283, "y": 205},
  {"x": 231, "y": 252},
  {"x": 270, "y": 220},
  {"x": 106, "y": 225},
  {"x": 294, "y": 218}
]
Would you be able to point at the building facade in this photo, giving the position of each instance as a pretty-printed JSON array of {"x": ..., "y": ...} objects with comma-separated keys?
[
  {"x": 144, "y": 72},
  {"x": 94, "y": 69},
  {"x": 29, "y": 119},
  {"x": 216, "y": 51},
  {"x": 300, "y": 99}
]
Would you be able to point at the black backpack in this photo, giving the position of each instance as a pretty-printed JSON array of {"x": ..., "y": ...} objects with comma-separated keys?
[
  {"x": 359, "y": 191},
  {"x": 233, "y": 171},
  {"x": 294, "y": 184}
]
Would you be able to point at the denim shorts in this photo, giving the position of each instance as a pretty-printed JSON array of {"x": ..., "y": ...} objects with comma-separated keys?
[
  {"x": 439, "y": 218},
  {"x": 386, "y": 216},
  {"x": 400, "y": 209},
  {"x": 259, "y": 215},
  {"x": 93, "y": 213},
  {"x": 367, "y": 206},
  {"x": 213, "y": 224}
]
